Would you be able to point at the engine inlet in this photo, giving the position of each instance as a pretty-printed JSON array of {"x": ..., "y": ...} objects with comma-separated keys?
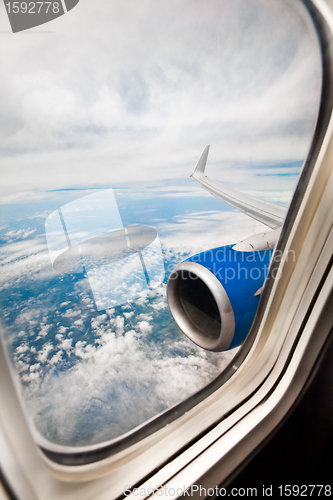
[{"x": 200, "y": 306}]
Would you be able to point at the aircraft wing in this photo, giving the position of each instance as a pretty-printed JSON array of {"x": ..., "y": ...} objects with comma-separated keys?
[{"x": 266, "y": 212}]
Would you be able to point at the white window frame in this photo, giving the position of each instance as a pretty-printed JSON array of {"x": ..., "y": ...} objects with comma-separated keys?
[{"x": 218, "y": 433}]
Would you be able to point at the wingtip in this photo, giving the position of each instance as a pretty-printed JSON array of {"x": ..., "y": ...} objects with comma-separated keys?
[{"x": 199, "y": 169}]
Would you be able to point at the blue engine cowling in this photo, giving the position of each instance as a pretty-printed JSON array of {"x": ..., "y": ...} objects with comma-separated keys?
[{"x": 212, "y": 295}]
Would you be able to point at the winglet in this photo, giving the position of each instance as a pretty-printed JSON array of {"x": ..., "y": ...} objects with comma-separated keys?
[{"x": 199, "y": 170}]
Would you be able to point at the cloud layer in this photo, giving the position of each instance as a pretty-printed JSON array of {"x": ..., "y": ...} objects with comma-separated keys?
[
  {"x": 89, "y": 376},
  {"x": 127, "y": 93}
]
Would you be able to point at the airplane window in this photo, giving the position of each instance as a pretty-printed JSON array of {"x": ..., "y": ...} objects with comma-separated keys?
[{"x": 127, "y": 286}]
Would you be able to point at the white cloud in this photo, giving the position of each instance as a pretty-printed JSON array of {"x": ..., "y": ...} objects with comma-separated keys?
[
  {"x": 199, "y": 231},
  {"x": 70, "y": 313},
  {"x": 129, "y": 314},
  {"x": 160, "y": 305},
  {"x": 144, "y": 327},
  {"x": 141, "y": 102},
  {"x": 118, "y": 324},
  {"x": 66, "y": 344},
  {"x": 22, "y": 348},
  {"x": 44, "y": 352},
  {"x": 145, "y": 316},
  {"x": 57, "y": 358},
  {"x": 44, "y": 330},
  {"x": 35, "y": 367},
  {"x": 18, "y": 234},
  {"x": 129, "y": 379},
  {"x": 14, "y": 251},
  {"x": 119, "y": 383},
  {"x": 31, "y": 377}
]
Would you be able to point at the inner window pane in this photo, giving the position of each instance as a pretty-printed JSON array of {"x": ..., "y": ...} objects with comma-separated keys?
[{"x": 103, "y": 121}]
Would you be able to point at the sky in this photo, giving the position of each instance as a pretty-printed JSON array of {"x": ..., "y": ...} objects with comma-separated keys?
[
  {"x": 125, "y": 95},
  {"x": 119, "y": 93}
]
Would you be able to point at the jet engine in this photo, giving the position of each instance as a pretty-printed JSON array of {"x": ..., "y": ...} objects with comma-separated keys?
[{"x": 213, "y": 296}]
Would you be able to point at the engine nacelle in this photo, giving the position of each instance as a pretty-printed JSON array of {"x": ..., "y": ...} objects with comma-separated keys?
[{"x": 212, "y": 295}]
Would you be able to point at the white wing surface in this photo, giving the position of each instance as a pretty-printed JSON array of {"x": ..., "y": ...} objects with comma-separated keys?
[{"x": 266, "y": 212}]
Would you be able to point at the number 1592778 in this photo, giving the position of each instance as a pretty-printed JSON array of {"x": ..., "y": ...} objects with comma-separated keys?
[{"x": 33, "y": 7}]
